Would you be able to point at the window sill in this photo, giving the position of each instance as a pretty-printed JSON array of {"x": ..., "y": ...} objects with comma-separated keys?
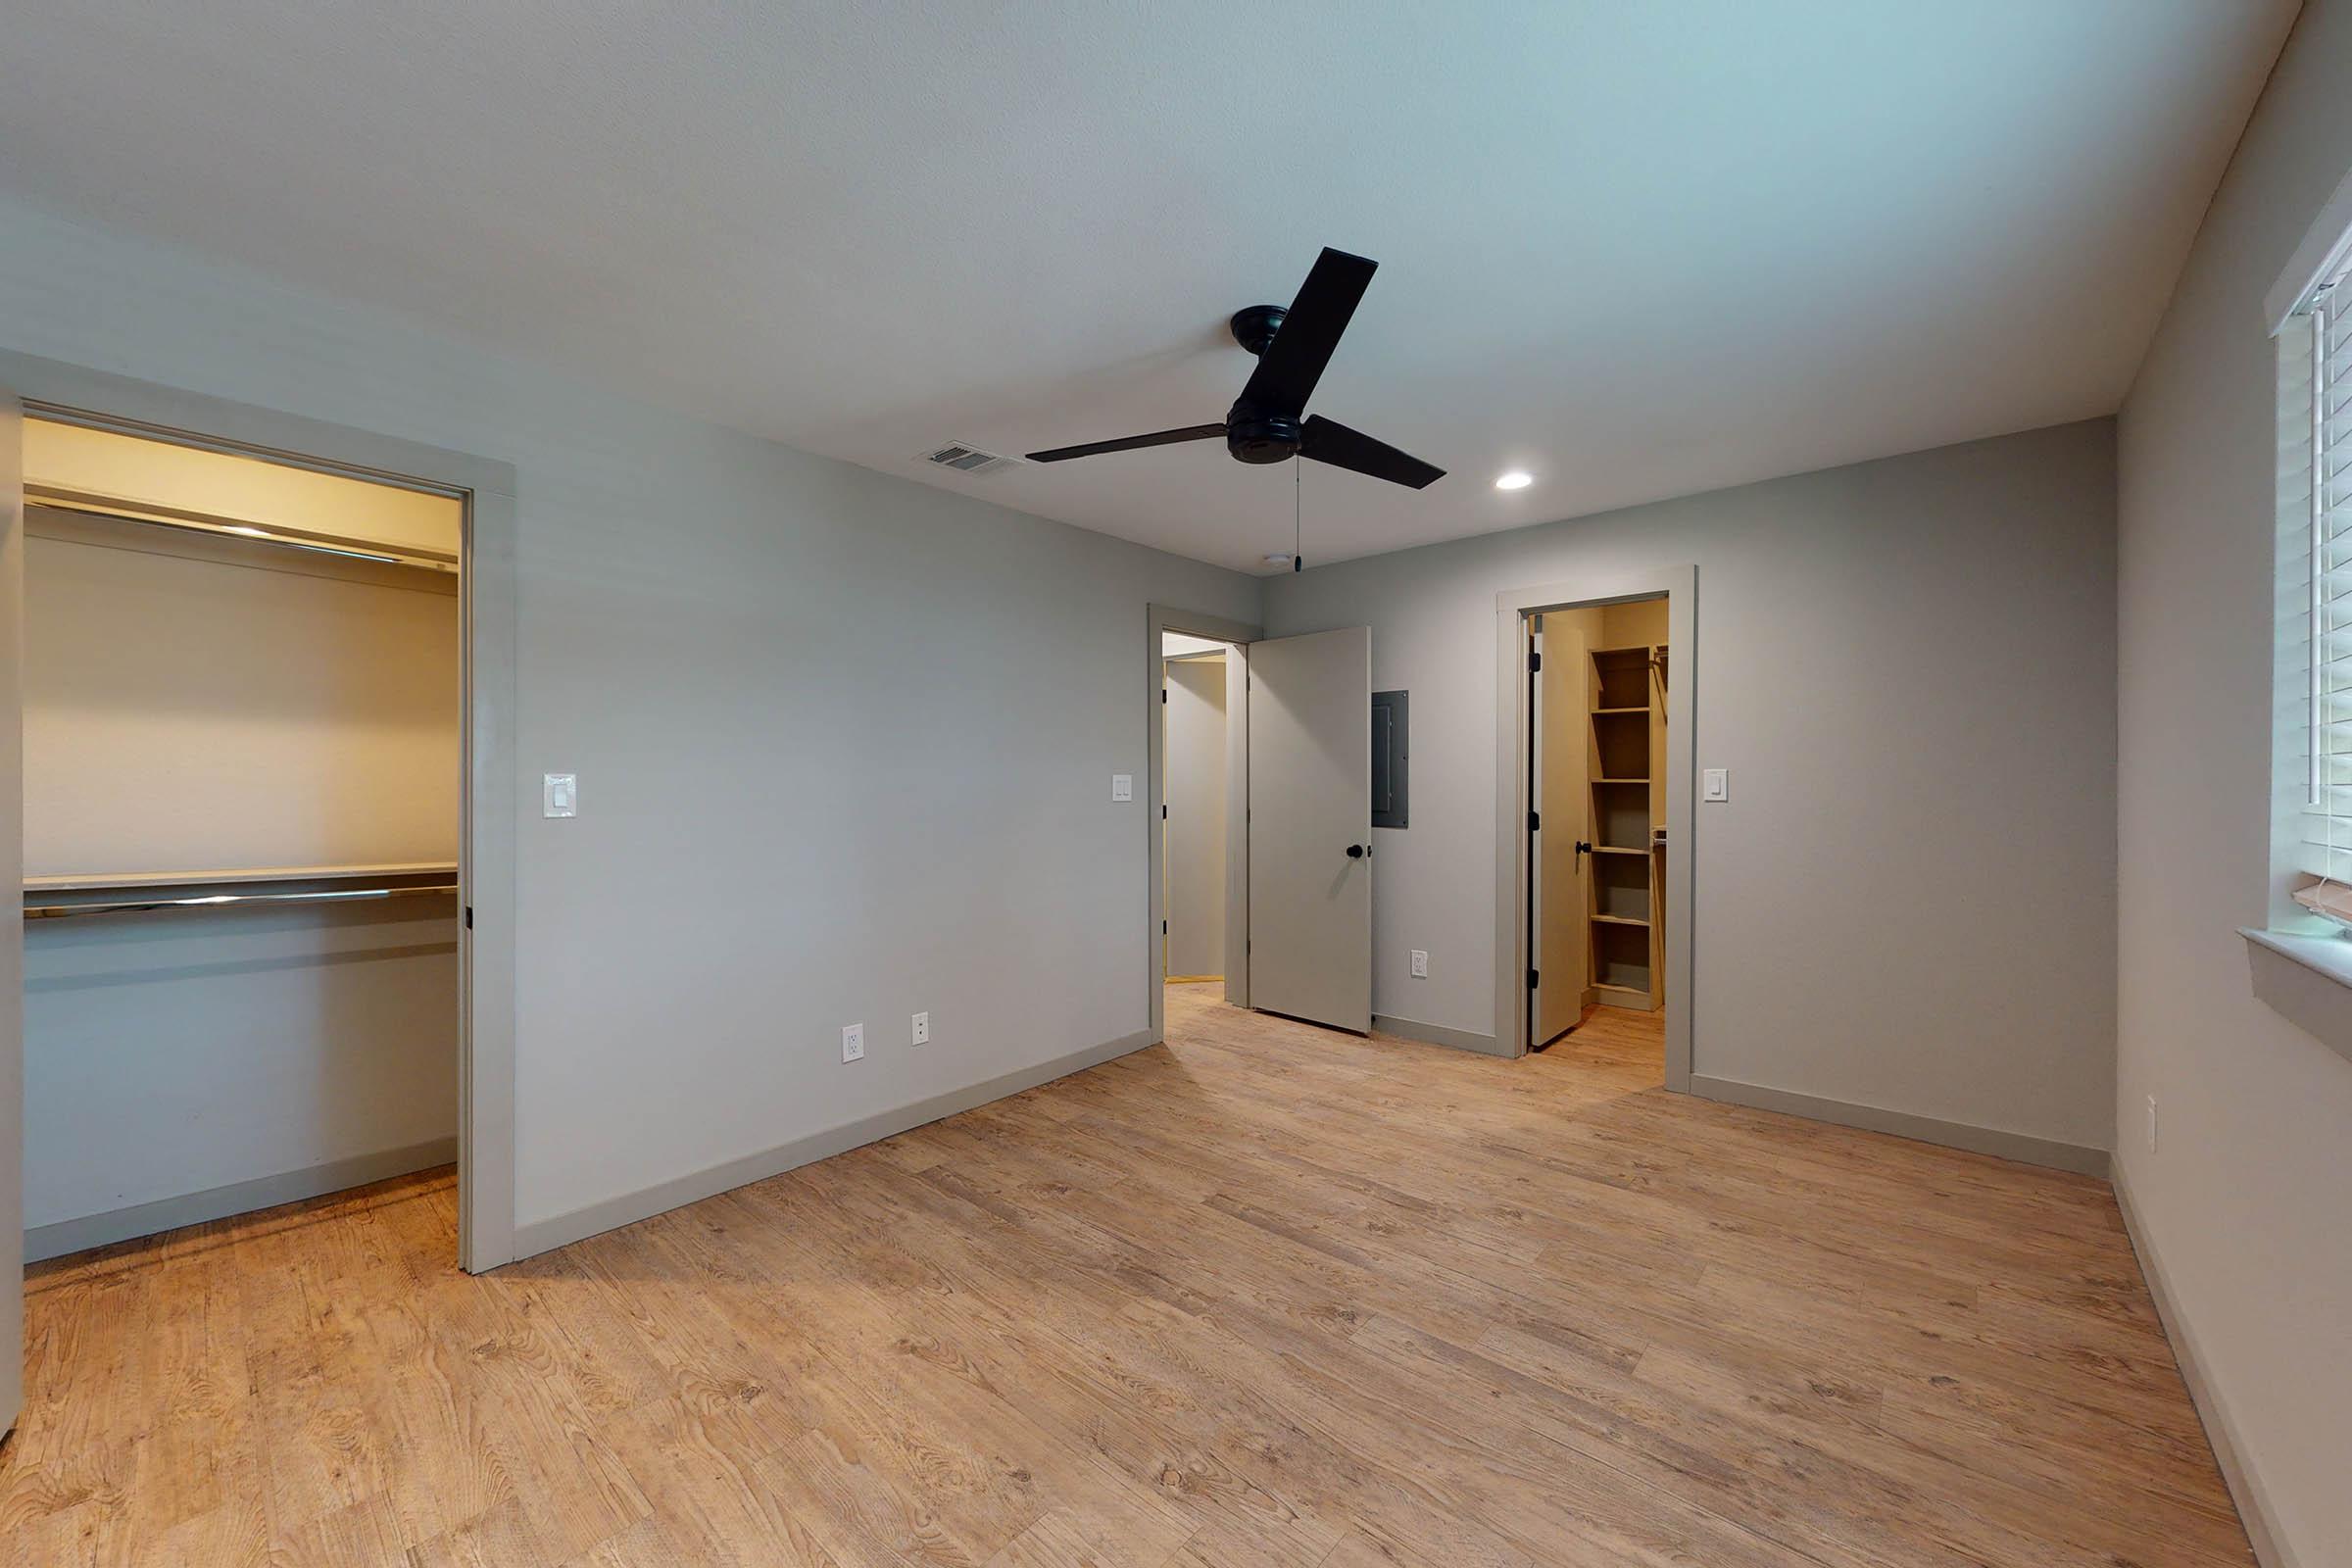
[{"x": 2306, "y": 980}]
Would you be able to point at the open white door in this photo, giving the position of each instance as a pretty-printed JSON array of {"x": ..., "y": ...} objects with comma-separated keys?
[
  {"x": 12, "y": 932},
  {"x": 1310, "y": 827},
  {"x": 1562, "y": 903}
]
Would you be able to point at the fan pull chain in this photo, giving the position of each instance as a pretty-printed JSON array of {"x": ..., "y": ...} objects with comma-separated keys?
[{"x": 1297, "y": 514}]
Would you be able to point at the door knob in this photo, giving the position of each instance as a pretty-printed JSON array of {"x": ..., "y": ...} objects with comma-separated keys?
[{"x": 1356, "y": 852}]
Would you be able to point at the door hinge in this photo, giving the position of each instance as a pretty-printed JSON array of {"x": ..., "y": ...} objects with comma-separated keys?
[
  {"x": 1532, "y": 979},
  {"x": 1163, "y": 813},
  {"x": 1534, "y": 660},
  {"x": 1163, "y": 928},
  {"x": 1535, "y": 822},
  {"x": 469, "y": 917},
  {"x": 1163, "y": 694}
]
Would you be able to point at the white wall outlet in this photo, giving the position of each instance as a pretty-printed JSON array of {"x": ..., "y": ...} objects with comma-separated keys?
[
  {"x": 560, "y": 795},
  {"x": 852, "y": 1042},
  {"x": 2152, "y": 1124},
  {"x": 1715, "y": 784},
  {"x": 1122, "y": 786},
  {"x": 1420, "y": 965},
  {"x": 922, "y": 1028}
]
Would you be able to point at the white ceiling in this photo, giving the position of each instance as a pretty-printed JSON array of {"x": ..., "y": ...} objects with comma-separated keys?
[{"x": 1640, "y": 250}]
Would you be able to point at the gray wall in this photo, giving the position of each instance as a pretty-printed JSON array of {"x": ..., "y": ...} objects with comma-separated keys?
[
  {"x": 844, "y": 742},
  {"x": 1909, "y": 668},
  {"x": 2244, "y": 1199},
  {"x": 170, "y": 1056}
]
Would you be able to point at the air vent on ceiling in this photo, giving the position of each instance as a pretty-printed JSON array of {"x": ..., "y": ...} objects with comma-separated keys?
[{"x": 968, "y": 460}]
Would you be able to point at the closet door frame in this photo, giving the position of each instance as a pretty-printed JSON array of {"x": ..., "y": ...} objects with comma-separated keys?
[
  {"x": 489, "y": 803},
  {"x": 1512, "y": 608}
]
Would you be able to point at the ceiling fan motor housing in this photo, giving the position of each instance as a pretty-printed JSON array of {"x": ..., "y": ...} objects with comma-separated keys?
[{"x": 1260, "y": 438}]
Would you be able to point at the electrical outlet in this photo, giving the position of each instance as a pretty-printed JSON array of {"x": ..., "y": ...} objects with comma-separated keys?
[
  {"x": 852, "y": 1042},
  {"x": 922, "y": 1028},
  {"x": 1420, "y": 965},
  {"x": 2152, "y": 1124}
]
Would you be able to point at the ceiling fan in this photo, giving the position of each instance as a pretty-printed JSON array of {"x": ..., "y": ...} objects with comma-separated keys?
[{"x": 1268, "y": 422}]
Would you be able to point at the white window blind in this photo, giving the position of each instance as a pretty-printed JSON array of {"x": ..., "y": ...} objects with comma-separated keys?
[{"x": 2315, "y": 556}]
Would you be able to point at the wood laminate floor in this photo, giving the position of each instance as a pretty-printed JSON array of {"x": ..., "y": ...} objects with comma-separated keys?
[{"x": 1267, "y": 1295}]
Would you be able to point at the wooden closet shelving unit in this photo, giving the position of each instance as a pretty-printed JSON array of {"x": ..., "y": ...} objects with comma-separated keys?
[{"x": 1628, "y": 812}]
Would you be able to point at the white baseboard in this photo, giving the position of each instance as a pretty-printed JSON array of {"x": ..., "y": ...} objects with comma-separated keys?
[
  {"x": 2254, "y": 1509},
  {"x": 1437, "y": 1034},
  {"x": 238, "y": 1197},
  {"x": 561, "y": 1230},
  {"x": 2022, "y": 1147}
]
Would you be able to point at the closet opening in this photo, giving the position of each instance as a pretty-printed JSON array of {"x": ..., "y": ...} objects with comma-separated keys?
[
  {"x": 1194, "y": 792},
  {"x": 244, "y": 732},
  {"x": 1198, "y": 688},
  {"x": 1593, "y": 814},
  {"x": 1597, "y": 836}
]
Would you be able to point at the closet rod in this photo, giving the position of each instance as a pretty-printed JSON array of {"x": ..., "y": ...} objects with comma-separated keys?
[
  {"x": 215, "y": 901},
  {"x": 90, "y": 504}
]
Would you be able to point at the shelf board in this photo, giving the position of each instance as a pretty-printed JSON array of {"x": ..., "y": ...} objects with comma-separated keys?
[
  {"x": 1619, "y": 849},
  {"x": 1606, "y": 713},
  {"x": 1619, "y": 919},
  {"x": 94, "y": 881},
  {"x": 1640, "y": 781}
]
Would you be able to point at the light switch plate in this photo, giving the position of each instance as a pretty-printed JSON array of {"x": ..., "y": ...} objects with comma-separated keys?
[
  {"x": 1122, "y": 786},
  {"x": 852, "y": 1042},
  {"x": 559, "y": 793},
  {"x": 1420, "y": 965},
  {"x": 1715, "y": 784}
]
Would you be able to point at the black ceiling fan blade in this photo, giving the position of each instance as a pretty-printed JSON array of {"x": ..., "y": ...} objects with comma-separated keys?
[
  {"x": 1329, "y": 441},
  {"x": 1157, "y": 438},
  {"x": 1287, "y": 372}
]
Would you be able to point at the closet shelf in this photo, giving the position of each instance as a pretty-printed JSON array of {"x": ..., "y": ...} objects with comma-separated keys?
[
  {"x": 80, "y": 882},
  {"x": 1619, "y": 849},
  {"x": 1604, "y": 712},
  {"x": 1619, "y": 919}
]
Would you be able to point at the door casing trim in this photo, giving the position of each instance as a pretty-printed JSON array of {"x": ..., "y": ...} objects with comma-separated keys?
[{"x": 1512, "y": 607}]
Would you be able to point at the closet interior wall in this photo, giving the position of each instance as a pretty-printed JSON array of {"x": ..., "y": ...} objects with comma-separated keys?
[{"x": 243, "y": 680}]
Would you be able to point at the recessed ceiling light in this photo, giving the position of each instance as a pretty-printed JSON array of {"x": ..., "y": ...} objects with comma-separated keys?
[{"x": 1516, "y": 479}]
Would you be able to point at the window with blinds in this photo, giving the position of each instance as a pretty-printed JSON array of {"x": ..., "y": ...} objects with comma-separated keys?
[{"x": 2315, "y": 559}]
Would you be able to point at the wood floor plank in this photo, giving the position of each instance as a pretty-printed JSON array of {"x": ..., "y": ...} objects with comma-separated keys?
[{"x": 1264, "y": 1295}]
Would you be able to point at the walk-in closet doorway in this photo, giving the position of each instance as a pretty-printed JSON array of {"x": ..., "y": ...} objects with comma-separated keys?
[
  {"x": 1593, "y": 814},
  {"x": 393, "y": 899}
]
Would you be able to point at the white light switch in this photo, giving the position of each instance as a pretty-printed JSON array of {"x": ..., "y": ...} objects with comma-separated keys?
[
  {"x": 1122, "y": 786},
  {"x": 1715, "y": 784},
  {"x": 559, "y": 793}
]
